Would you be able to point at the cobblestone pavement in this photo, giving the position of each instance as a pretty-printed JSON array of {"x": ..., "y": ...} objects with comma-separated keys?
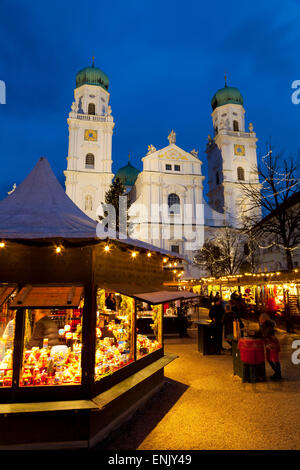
[{"x": 203, "y": 406}]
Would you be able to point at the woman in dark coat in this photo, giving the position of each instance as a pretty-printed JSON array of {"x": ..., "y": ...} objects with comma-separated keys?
[{"x": 228, "y": 318}]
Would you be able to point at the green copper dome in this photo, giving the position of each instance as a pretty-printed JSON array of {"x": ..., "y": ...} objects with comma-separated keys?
[
  {"x": 127, "y": 174},
  {"x": 92, "y": 76},
  {"x": 226, "y": 95}
]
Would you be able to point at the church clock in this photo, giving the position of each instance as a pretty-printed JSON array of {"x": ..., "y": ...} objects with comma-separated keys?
[
  {"x": 239, "y": 150},
  {"x": 90, "y": 134}
]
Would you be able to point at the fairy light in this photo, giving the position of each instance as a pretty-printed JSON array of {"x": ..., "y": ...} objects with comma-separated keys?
[
  {"x": 106, "y": 248},
  {"x": 165, "y": 260},
  {"x": 2, "y": 244},
  {"x": 58, "y": 249},
  {"x": 134, "y": 254},
  {"x": 149, "y": 254}
]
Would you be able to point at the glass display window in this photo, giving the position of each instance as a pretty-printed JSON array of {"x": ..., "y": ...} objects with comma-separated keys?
[
  {"x": 114, "y": 332},
  {"x": 51, "y": 335},
  {"x": 7, "y": 335},
  {"x": 227, "y": 291},
  {"x": 6, "y": 349},
  {"x": 213, "y": 290},
  {"x": 201, "y": 290},
  {"x": 148, "y": 343},
  {"x": 248, "y": 293},
  {"x": 52, "y": 347}
]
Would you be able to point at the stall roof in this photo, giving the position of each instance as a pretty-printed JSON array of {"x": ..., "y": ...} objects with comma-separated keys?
[
  {"x": 46, "y": 296},
  {"x": 39, "y": 209},
  {"x": 160, "y": 297},
  {"x": 153, "y": 297}
]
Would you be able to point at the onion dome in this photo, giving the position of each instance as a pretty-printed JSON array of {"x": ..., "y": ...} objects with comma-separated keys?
[
  {"x": 127, "y": 174},
  {"x": 226, "y": 95},
  {"x": 92, "y": 76}
]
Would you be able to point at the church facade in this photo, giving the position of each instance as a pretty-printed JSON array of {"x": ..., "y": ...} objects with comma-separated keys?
[{"x": 168, "y": 207}]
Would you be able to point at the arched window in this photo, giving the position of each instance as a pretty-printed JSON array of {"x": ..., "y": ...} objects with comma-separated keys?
[
  {"x": 235, "y": 125},
  {"x": 240, "y": 174},
  {"x": 217, "y": 178},
  {"x": 174, "y": 204},
  {"x": 89, "y": 161},
  {"x": 91, "y": 108}
]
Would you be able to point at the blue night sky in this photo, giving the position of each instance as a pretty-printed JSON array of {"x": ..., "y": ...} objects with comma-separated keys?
[{"x": 164, "y": 59}]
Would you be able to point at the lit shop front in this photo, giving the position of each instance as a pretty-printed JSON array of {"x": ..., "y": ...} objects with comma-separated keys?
[{"x": 42, "y": 343}]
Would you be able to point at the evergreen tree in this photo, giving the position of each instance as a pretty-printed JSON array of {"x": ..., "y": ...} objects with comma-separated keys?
[{"x": 114, "y": 197}]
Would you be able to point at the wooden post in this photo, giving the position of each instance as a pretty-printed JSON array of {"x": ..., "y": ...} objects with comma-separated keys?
[
  {"x": 160, "y": 324},
  {"x": 133, "y": 330},
  {"x": 88, "y": 338},
  {"x": 18, "y": 346}
]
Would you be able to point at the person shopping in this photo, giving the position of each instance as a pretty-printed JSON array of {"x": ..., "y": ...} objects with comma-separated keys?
[
  {"x": 267, "y": 332},
  {"x": 44, "y": 328}
]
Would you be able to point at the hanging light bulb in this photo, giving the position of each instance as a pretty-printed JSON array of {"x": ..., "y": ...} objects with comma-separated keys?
[
  {"x": 58, "y": 249},
  {"x": 149, "y": 254},
  {"x": 134, "y": 254},
  {"x": 165, "y": 260},
  {"x": 2, "y": 244},
  {"x": 106, "y": 248}
]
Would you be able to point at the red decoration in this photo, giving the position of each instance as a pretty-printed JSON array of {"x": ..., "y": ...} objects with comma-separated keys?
[{"x": 252, "y": 350}]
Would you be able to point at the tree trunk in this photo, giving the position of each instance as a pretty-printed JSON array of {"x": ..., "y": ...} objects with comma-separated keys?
[{"x": 289, "y": 259}]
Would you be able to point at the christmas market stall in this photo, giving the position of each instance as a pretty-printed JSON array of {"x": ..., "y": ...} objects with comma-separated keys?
[
  {"x": 73, "y": 363},
  {"x": 277, "y": 293}
]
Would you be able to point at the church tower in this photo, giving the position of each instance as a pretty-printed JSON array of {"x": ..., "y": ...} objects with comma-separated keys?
[
  {"x": 89, "y": 161},
  {"x": 231, "y": 156}
]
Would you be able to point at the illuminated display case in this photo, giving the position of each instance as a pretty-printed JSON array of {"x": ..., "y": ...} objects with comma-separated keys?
[{"x": 45, "y": 345}]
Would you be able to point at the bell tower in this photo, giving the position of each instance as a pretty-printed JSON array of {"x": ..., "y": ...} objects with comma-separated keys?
[
  {"x": 90, "y": 122},
  {"x": 231, "y": 156}
]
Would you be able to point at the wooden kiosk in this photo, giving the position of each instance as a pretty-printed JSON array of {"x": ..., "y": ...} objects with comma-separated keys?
[{"x": 71, "y": 368}]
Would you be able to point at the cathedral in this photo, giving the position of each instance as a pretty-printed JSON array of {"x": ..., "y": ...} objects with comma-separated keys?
[{"x": 168, "y": 208}]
